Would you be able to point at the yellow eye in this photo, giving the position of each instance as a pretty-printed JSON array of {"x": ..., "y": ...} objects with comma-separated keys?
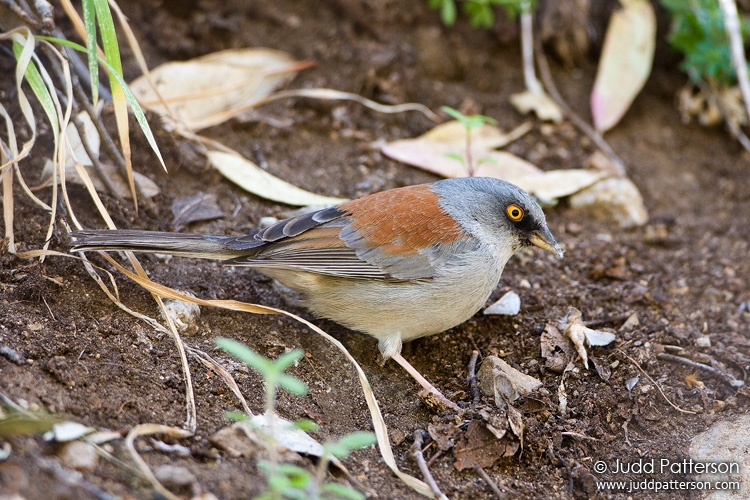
[{"x": 514, "y": 212}]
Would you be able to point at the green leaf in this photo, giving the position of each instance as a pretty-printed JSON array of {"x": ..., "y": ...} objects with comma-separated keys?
[
  {"x": 335, "y": 490},
  {"x": 307, "y": 425},
  {"x": 89, "y": 21},
  {"x": 237, "y": 416},
  {"x": 36, "y": 82},
  {"x": 456, "y": 156},
  {"x": 288, "y": 359},
  {"x": 292, "y": 384},
  {"x": 453, "y": 113},
  {"x": 246, "y": 355},
  {"x": 357, "y": 440},
  {"x": 448, "y": 12},
  {"x": 140, "y": 116}
]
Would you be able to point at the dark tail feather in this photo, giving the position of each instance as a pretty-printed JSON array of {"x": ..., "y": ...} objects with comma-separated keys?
[{"x": 186, "y": 245}]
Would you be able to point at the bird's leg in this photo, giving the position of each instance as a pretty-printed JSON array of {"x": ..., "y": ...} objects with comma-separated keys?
[{"x": 431, "y": 389}]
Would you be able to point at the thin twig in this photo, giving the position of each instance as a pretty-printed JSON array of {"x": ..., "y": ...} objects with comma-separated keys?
[
  {"x": 487, "y": 479},
  {"x": 25, "y": 16},
  {"x": 47, "y": 15},
  {"x": 645, "y": 374},
  {"x": 580, "y": 123},
  {"x": 729, "y": 379},
  {"x": 416, "y": 453},
  {"x": 472, "y": 378}
]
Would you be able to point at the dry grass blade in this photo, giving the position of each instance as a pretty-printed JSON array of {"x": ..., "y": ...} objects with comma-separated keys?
[
  {"x": 214, "y": 365},
  {"x": 658, "y": 387},
  {"x": 337, "y": 95},
  {"x": 147, "y": 430},
  {"x": 379, "y": 426}
]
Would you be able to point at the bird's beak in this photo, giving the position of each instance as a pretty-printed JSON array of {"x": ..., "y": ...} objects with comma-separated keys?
[{"x": 543, "y": 239}]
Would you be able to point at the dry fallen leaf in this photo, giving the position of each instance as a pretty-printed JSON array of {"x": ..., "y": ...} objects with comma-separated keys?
[
  {"x": 431, "y": 151},
  {"x": 254, "y": 179},
  {"x": 479, "y": 447},
  {"x": 203, "y": 91},
  {"x": 500, "y": 380},
  {"x": 625, "y": 62}
]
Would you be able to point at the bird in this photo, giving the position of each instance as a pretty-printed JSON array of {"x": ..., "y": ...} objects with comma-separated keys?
[{"x": 398, "y": 264}]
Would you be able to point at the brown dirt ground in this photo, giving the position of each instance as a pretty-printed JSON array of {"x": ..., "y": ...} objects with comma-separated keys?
[{"x": 685, "y": 274}]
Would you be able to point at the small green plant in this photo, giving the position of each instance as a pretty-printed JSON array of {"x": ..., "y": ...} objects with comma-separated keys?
[
  {"x": 287, "y": 480},
  {"x": 698, "y": 32},
  {"x": 480, "y": 12},
  {"x": 469, "y": 123}
]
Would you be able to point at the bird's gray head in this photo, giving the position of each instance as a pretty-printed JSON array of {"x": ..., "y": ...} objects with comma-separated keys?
[{"x": 498, "y": 211}]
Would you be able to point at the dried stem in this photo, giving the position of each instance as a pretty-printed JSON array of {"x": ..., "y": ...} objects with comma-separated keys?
[
  {"x": 580, "y": 123},
  {"x": 487, "y": 479},
  {"x": 729, "y": 379},
  {"x": 661, "y": 391},
  {"x": 416, "y": 453},
  {"x": 472, "y": 378}
]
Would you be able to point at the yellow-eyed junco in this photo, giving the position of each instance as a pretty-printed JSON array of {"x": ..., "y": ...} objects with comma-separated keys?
[{"x": 398, "y": 265}]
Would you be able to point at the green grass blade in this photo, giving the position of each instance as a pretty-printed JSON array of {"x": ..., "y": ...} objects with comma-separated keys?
[
  {"x": 35, "y": 81},
  {"x": 140, "y": 116},
  {"x": 89, "y": 21}
]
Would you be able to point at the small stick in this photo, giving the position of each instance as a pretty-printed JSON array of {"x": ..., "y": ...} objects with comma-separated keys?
[
  {"x": 416, "y": 453},
  {"x": 549, "y": 84},
  {"x": 487, "y": 479},
  {"x": 645, "y": 374},
  {"x": 694, "y": 364},
  {"x": 472, "y": 378}
]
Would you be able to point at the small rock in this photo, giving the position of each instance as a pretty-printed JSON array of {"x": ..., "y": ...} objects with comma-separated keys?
[
  {"x": 267, "y": 222},
  {"x": 79, "y": 455},
  {"x": 174, "y": 476},
  {"x": 726, "y": 444},
  {"x": 615, "y": 199},
  {"x": 184, "y": 314},
  {"x": 703, "y": 341},
  {"x": 508, "y": 305}
]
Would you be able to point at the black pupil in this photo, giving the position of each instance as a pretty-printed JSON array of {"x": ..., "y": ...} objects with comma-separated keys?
[{"x": 515, "y": 213}]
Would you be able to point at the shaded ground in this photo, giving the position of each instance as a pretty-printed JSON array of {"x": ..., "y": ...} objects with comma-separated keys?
[{"x": 685, "y": 274}]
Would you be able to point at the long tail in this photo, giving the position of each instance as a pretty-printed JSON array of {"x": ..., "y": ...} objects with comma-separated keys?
[{"x": 186, "y": 245}]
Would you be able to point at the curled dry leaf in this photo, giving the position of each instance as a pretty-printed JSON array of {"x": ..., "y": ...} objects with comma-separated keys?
[
  {"x": 538, "y": 102},
  {"x": 500, "y": 380},
  {"x": 286, "y": 434},
  {"x": 581, "y": 335},
  {"x": 254, "y": 179},
  {"x": 625, "y": 63},
  {"x": 555, "y": 349},
  {"x": 435, "y": 152},
  {"x": 203, "y": 91}
]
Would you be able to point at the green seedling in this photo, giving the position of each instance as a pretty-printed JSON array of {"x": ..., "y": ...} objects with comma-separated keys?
[
  {"x": 698, "y": 32},
  {"x": 480, "y": 12},
  {"x": 287, "y": 481},
  {"x": 469, "y": 123}
]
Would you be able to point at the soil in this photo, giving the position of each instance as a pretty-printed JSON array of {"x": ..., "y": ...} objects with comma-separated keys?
[{"x": 686, "y": 274}]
